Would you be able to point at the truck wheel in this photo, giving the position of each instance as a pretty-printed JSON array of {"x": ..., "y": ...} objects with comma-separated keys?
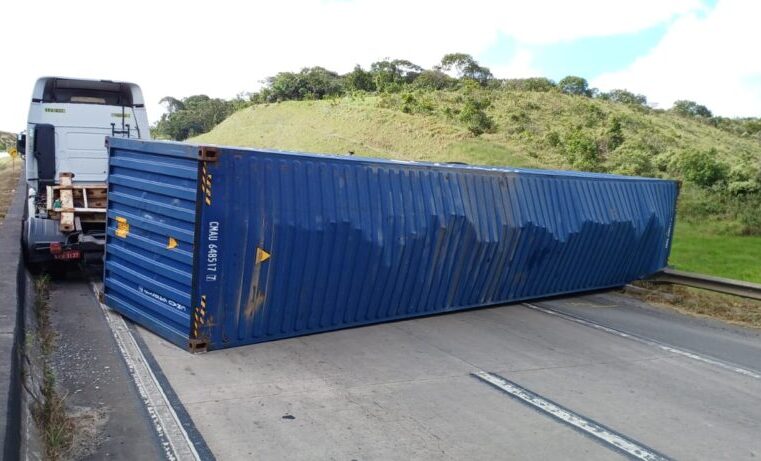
[{"x": 34, "y": 268}]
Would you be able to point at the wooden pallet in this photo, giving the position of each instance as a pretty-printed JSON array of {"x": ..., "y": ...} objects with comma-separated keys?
[{"x": 69, "y": 202}]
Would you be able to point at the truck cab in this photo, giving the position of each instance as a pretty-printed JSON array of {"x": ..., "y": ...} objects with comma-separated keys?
[{"x": 66, "y": 162}]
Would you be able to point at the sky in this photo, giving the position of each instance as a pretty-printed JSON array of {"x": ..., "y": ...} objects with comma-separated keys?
[{"x": 702, "y": 50}]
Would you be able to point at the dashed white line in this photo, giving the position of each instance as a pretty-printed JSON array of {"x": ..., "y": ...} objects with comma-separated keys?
[
  {"x": 651, "y": 342},
  {"x": 175, "y": 440},
  {"x": 604, "y": 435}
]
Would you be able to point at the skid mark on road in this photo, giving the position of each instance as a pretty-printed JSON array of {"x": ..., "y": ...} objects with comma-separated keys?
[
  {"x": 651, "y": 342},
  {"x": 608, "y": 437}
]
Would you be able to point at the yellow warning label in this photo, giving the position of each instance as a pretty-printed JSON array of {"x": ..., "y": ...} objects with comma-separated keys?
[
  {"x": 122, "y": 227},
  {"x": 171, "y": 244},
  {"x": 261, "y": 255}
]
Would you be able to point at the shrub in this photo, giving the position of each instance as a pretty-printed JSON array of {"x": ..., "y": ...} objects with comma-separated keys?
[
  {"x": 702, "y": 167},
  {"x": 750, "y": 217},
  {"x": 698, "y": 204},
  {"x": 589, "y": 112},
  {"x": 474, "y": 117},
  {"x": 412, "y": 104},
  {"x": 615, "y": 134},
  {"x": 538, "y": 84},
  {"x": 434, "y": 80},
  {"x": 581, "y": 151},
  {"x": 552, "y": 138},
  {"x": 633, "y": 160}
]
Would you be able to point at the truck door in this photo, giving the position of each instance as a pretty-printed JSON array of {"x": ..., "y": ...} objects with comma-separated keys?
[{"x": 44, "y": 153}]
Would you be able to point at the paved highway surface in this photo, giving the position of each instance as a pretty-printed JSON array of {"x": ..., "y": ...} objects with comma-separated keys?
[
  {"x": 590, "y": 377},
  {"x": 598, "y": 376}
]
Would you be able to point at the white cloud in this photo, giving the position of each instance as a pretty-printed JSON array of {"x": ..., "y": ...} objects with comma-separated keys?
[
  {"x": 710, "y": 59},
  {"x": 551, "y": 21},
  {"x": 223, "y": 47},
  {"x": 520, "y": 66}
]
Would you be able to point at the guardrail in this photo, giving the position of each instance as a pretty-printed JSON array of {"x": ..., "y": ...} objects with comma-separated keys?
[{"x": 708, "y": 282}]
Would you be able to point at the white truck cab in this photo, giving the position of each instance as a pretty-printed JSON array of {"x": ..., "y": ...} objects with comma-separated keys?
[{"x": 66, "y": 162}]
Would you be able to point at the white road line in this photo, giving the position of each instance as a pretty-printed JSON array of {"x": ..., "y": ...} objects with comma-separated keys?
[
  {"x": 651, "y": 342},
  {"x": 601, "y": 433},
  {"x": 175, "y": 440}
]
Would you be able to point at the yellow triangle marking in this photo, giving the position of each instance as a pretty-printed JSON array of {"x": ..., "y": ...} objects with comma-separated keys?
[
  {"x": 261, "y": 255},
  {"x": 171, "y": 244}
]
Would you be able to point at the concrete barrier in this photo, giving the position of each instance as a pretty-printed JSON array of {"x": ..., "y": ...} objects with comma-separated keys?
[{"x": 12, "y": 290}]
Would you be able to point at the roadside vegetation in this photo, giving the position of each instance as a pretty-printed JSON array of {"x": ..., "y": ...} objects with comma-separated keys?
[
  {"x": 457, "y": 111},
  {"x": 9, "y": 175},
  {"x": 702, "y": 303},
  {"x": 55, "y": 426}
]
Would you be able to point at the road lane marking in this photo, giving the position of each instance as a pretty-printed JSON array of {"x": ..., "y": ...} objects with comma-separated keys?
[
  {"x": 608, "y": 437},
  {"x": 175, "y": 441},
  {"x": 651, "y": 342}
]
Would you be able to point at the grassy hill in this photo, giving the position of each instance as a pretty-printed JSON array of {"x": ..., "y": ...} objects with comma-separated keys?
[{"x": 532, "y": 129}]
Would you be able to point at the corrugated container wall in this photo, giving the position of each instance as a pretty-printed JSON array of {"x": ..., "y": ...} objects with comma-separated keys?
[{"x": 214, "y": 247}]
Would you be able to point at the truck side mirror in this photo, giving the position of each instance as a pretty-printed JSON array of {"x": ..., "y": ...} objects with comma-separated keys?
[{"x": 21, "y": 144}]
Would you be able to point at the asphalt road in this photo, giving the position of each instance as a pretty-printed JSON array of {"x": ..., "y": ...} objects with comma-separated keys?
[
  {"x": 668, "y": 385},
  {"x": 702, "y": 335}
]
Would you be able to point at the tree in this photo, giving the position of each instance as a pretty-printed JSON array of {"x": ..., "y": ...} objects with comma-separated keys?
[
  {"x": 390, "y": 75},
  {"x": 624, "y": 97},
  {"x": 192, "y": 116},
  {"x": 575, "y": 85},
  {"x": 172, "y": 104},
  {"x": 687, "y": 108},
  {"x": 466, "y": 67},
  {"x": 359, "y": 80},
  {"x": 434, "y": 80},
  {"x": 309, "y": 83}
]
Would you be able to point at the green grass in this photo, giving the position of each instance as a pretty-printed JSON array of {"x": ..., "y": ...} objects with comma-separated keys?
[{"x": 697, "y": 249}]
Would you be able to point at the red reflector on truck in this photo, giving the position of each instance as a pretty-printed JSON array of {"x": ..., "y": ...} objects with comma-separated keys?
[{"x": 55, "y": 248}]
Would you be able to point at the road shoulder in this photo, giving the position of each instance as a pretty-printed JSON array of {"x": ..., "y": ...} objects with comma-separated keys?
[{"x": 11, "y": 327}]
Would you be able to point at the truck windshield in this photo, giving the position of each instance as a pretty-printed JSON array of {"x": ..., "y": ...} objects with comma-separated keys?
[{"x": 87, "y": 92}]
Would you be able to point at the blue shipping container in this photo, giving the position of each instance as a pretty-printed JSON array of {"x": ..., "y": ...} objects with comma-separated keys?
[{"x": 213, "y": 247}]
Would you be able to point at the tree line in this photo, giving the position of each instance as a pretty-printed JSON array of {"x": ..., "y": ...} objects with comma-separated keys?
[{"x": 198, "y": 114}]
